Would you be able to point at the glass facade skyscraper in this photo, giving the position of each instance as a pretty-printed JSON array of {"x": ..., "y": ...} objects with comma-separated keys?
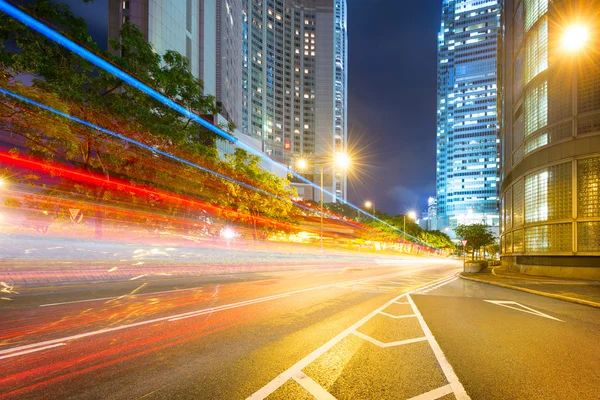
[
  {"x": 467, "y": 127},
  {"x": 550, "y": 137},
  {"x": 295, "y": 80}
]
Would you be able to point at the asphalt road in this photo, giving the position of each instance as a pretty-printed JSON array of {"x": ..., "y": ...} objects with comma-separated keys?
[{"x": 395, "y": 329}]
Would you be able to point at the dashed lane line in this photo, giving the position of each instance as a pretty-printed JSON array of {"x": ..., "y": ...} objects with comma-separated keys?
[
  {"x": 16, "y": 351},
  {"x": 119, "y": 297}
]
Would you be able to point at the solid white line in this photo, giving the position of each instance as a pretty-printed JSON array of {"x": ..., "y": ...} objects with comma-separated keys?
[
  {"x": 191, "y": 313},
  {"x": 531, "y": 310},
  {"x": 388, "y": 344},
  {"x": 401, "y": 302},
  {"x": 396, "y": 316},
  {"x": 437, "y": 286},
  {"x": 20, "y": 353},
  {"x": 312, "y": 387},
  {"x": 457, "y": 387},
  {"x": 434, "y": 394},
  {"x": 119, "y": 297},
  {"x": 270, "y": 387}
]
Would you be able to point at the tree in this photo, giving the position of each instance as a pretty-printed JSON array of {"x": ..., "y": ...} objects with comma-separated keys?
[
  {"x": 476, "y": 235},
  {"x": 268, "y": 209},
  {"x": 67, "y": 82}
]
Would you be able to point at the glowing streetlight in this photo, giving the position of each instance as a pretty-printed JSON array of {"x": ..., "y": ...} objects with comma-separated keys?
[
  {"x": 302, "y": 164},
  {"x": 575, "y": 37},
  {"x": 2, "y": 182},
  {"x": 228, "y": 234},
  {"x": 412, "y": 215},
  {"x": 370, "y": 205},
  {"x": 342, "y": 160}
]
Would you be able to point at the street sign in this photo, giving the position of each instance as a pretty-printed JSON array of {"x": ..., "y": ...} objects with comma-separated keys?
[
  {"x": 464, "y": 242},
  {"x": 76, "y": 215}
]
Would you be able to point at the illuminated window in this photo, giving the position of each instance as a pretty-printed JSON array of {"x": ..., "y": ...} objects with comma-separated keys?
[
  {"x": 534, "y": 9},
  {"x": 536, "y": 107},
  {"x": 518, "y": 198},
  {"x": 536, "y": 51},
  {"x": 548, "y": 194},
  {"x": 588, "y": 236},
  {"x": 588, "y": 187},
  {"x": 548, "y": 238}
]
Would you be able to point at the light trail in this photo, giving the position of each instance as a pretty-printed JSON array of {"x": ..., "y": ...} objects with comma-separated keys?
[{"x": 104, "y": 64}]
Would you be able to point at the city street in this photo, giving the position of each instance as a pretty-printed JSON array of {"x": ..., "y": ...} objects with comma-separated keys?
[{"x": 350, "y": 333}]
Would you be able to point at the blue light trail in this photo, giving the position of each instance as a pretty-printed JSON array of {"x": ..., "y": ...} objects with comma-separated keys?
[{"x": 100, "y": 62}]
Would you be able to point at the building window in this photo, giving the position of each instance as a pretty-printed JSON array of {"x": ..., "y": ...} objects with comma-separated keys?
[
  {"x": 588, "y": 188},
  {"x": 548, "y": 194},
  {"x": 548, "y": 238},
  {"x": 534, "y": 9},
  {"x": 536, "y": 107},
  {"x": 536, "y": 51}
]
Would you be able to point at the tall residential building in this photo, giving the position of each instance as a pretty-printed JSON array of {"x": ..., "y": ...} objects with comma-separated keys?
[
  {"x": 295, "y": 81},
  {"x": 467, "y": 159},
  {"x": 550, "y": 137},
  {"x": 207, "y": 32}
]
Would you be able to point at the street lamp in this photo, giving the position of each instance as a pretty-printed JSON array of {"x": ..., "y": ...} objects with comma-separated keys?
[
  {"x": 371, "y": 205},
  {"x": 412, "y": 215},
  {"x": 575, "y": 37},
  {"x": 2, "y": 182},
  {"x": 342, "y": 160}
]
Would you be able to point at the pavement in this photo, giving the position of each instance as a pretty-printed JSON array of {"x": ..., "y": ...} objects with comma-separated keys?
[
  {"x": 393, "y": 329},
  {"x": 578, "y": 291}
]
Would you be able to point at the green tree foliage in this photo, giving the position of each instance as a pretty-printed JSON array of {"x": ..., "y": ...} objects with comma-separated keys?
[
  {"x": 250, "y": 206},
  {"x": 66, "y": 82},
  {"x": 476, "y": 235}
]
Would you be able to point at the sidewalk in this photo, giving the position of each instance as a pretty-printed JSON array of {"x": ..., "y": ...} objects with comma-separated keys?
[{"x": 573, "y": 290}]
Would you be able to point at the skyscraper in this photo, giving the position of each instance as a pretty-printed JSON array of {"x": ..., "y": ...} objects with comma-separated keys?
[
  {"x": 295, "y": 80},
  {"x": 550, "y": 137},
  {"x": 467, "y": 164},
  {"x": 207, "y": 32}
]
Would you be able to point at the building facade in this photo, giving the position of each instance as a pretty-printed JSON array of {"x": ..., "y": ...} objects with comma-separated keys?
[
  {"x": 467, "y": 127},
  {"x": 550, "y": 137},
  {"x": 294, "y": 81}
]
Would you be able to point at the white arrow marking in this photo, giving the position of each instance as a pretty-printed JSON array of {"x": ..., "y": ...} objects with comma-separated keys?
[{"x": 527, "y": 310}]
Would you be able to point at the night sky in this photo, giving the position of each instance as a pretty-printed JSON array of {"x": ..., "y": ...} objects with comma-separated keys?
[{"x": 392, "y": 103}]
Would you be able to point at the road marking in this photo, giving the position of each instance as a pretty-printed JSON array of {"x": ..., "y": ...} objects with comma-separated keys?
[
  {"x": 167, "y": 318},
  {"x": 279, "y": 380},
  {"x": 434, "y": 394},
  {"x": 437, "y": 286},
  {"x": 312, "y": 387},
  {"x": 401, "y": 302},
  {"x": 457, "y": 387},
  {"x": 20, "y": 353},
  {"x": 527, "y": 310},
  {"x": 388, "y": 344},
  {"x": 396, "y": 316},
  {"x": 297, "y": 368},
  {"x": 119, "y": 297}
]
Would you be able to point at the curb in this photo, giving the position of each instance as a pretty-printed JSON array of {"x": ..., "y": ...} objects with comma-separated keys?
[{"x": 545, "y": 294}]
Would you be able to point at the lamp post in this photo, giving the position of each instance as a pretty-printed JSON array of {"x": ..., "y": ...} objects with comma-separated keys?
[
  {"x": 342, "y": 160},
  {"x": 371, "y": 205},
  {"x": 412, "y": 215}
]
